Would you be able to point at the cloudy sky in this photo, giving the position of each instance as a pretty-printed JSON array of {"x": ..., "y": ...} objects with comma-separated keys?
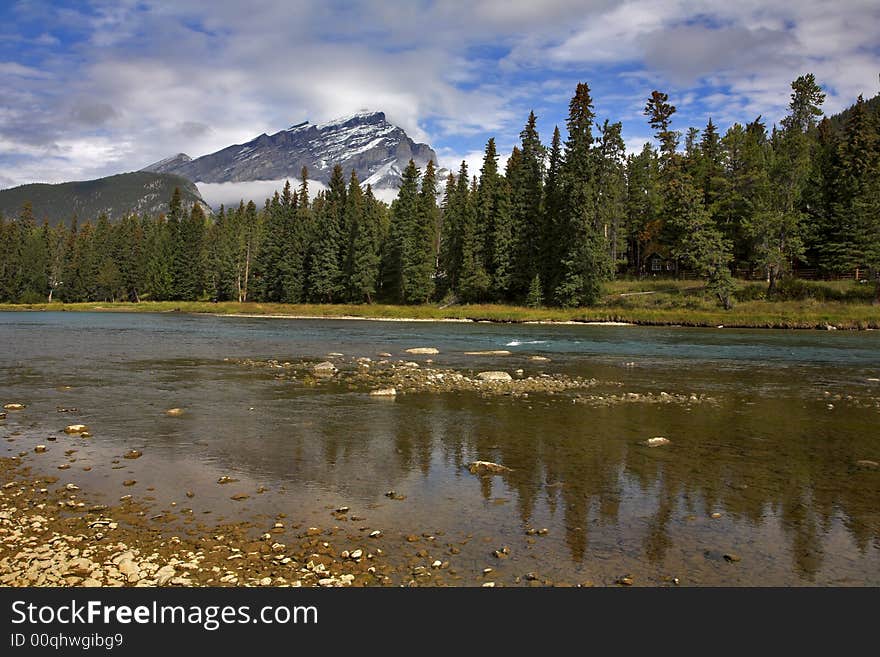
[{"x": 103, "y": 86}]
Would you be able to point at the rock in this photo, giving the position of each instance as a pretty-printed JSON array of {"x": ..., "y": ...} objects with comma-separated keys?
[
  {"x": 164, "y": 574},
  {"x": 731, "y": 557},
  {"x": 482, "y": 468},
  {"x": 539, "y": 359},
  {"x": 384, "y": 392},
  {"x": 423, "y": 350},
  {"x": 375, "y": 533},
  {"x": 865, "y": 463},
  {"x": 491, "y": 352},
  {"x": 239, "y": 496},
  {"x": 384, "y": 354},
  {"x": 190, "y": 494},
  {"x": 488, "y": 585},
  {"x": 64, "y": 466},
  {"x": 829, "y": 327},
  {"x": 657, "y": 441},
  {"x": 226, "y": 480},
  {"x": 324, "y": 369},
  {"x": 2, "y": 415},
  {"x": 626, "y": 580},
  {"x": 75, "y": 428},
  {"x": 266, "y": 581},
  {"x": 129, "y": 482},
  {"x": 174, "y": 412},
  {"x": 91, "y": 583},
  {"x": 436, "y": 563},
  {"x": 40, "y": 449},
  {"x": 357, "y": 554},
  {"x": 14, "y": 406},
  {"x": 335, "y": 354},
  {"x": 494, "y": 376},
  {"x": 715, "y": 516},
  {"x": 132, "y": 454}
]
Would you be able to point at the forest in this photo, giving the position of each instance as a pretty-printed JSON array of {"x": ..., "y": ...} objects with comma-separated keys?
[{"x": 549, "y": 230}]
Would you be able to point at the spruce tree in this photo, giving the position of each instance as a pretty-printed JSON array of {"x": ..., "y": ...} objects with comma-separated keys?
[
  {"x": 585, "y": 264},
  {"x": 526, "y": 212}
]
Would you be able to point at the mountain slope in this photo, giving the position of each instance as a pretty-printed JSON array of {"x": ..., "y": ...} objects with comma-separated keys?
[
  {"x": 365, "y": 142},
  {"x": 116, "y": 196}
]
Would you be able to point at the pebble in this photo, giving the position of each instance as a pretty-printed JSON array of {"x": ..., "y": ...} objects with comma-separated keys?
[
  {"x": 40, "y": 449},
  {"x": 132, "y": 454},
  {"x": 375, "y": 534},
  {"x": 174, "y": 412},
  {"x": 76, "y": 428}
]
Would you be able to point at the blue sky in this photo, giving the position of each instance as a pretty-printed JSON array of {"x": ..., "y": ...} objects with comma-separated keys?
[{"x": 99, "y": 87}]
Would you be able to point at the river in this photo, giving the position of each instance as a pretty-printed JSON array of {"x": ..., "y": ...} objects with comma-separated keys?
[{"x": 767, "y": 478}]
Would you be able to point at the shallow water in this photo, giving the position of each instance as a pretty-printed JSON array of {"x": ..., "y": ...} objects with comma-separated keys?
[{"x": 775, "y": 454}]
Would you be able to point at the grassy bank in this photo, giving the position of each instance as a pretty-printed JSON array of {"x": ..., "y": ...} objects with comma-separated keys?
[{"x": 809, "y": 305}]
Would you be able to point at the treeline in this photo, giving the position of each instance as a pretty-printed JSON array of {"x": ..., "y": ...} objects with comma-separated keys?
[{"x": 549, "y": 229}]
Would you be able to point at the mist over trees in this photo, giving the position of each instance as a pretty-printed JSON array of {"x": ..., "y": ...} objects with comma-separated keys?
[{"x": 550, "y": 229}]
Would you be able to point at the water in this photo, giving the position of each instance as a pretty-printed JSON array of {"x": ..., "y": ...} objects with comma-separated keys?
[{"x": 775, "y": 454}]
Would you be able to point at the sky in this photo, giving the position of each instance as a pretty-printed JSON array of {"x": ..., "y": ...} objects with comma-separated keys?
[{"x": 98, "y": 87}]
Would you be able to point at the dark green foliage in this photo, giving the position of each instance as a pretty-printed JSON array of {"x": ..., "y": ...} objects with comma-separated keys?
[
  {"x": 807, "y": 194},
  {"x": 117, "y": 196}
]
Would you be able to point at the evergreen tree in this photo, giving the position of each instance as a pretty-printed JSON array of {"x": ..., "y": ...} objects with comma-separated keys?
[
  {"x": 585, "y": 264},
  {"x": 526, "y": 213},
  {"x": 552, "y": 237},
  {"x": 367, "y": 244}
]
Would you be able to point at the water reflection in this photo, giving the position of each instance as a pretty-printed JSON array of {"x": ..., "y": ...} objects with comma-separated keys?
[{"x": 772, "y": 456}]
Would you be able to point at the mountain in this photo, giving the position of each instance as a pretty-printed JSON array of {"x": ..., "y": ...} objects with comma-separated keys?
[
  {"x": 139, "y": 192},
  {"x": 169, "y": 163},
  {"x": 366, "y": 142}
]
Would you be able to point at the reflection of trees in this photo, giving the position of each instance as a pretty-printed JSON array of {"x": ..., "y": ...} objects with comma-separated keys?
[{"x": 581, "y": 464}]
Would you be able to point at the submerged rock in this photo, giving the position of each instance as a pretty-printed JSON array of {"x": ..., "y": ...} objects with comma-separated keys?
[
  {"x": 14, "y": 407},
  {"x": 76, "y": 428},
  {"x": 384, "y": 392},
  {"x": 40, "y": 449},
  {"x": 423, "y": 351},
  {"x": 174, "y": 412},
  {"x": 657, "y": 441},
  {"x": 133, "y": 454},
  {"x": 494, "y": 376},
  {"x": 487, "y": 468},
  {"x": 324, "y": 369}
]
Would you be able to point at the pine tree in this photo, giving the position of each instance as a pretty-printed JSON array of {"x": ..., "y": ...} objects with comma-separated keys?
[
  {"x": 643, "y": 205},
  {"x": 420, "y": 257},
  {"x": 552, "y": 237},
  {"x": 353, "y": 218},
  {"x": 526, "y": 213},
  {"x": 585, "y": 264},
  {"x": 611, "y": 186},
  {"x": 367, "y": 244},
  {"x": 325, "y": 278},
  {"x": 535, "y": 297}
]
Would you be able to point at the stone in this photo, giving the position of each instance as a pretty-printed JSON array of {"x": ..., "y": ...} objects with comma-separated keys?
[
  {"x": 357, "y": 554},
  {"x": 226, "y": 480},
  {"x": 732, "y": 557},
  {"x": 132, "y": 454},
  {"x": 239, "y": 496},
  {"x": 436, "y": 563},
  {"x": 626, "y": 580},
  {"x": 324, "y": 369},
  {"x": 488, "y": 585},
  {"x": 423, "y": 351},
  {"x": 494, "y": 376},
  {"x": 75, "y": 428},
  {"x": 14, "y": 407},
  {"x": 174, "y": 412},
  {"x": 491, "y": 352},
  {"x": 483, "y": 468},
  {"x": 164, "y": 574},
  {"x": 129, "y": 482},
  {"x": 867, "y": 464},
  {"x": 375, "y": 533},
  {"x": 657, "y": 441},
  {"x": 384, "y": 392},
  {"x": 40, "y": 449},
  {"x": 384, "y": 354},
  {"x": 539, "y": 359},
  {"x": 266, "y": 581}
]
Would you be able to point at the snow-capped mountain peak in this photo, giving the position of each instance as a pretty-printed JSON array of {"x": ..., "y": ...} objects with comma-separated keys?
[{"x": 364, "y": 141}]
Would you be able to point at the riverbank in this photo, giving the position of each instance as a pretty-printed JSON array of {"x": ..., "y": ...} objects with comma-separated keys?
[{"x": 647, "y": 310}]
